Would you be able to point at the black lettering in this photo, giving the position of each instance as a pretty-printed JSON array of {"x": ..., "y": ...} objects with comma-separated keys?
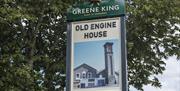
[
  {"x": 104, "y": 33},
  {"x": 109, "y": 25},
  {"x": 92, "y": 27},
  {"x": 86, "y": 27},
  {"x": 86, "y": 35},
  {"x": 102, "y": 25},
  {"x": 96, "y": 26},
  {"x": 100, "y": 34},
  {"x": 96, "y": 34},
  {"x": 77, "y": 28},
  {"x": 90, "y": 35},
  {"x": 114, "y": 24}
]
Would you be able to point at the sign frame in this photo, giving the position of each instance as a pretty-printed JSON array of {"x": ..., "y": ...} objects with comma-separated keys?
[{"x": 123, "y": 54}]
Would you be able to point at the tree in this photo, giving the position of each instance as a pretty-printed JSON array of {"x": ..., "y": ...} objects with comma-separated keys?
[
  {"x": 153, "y": 35},
  {"x": 32, "y": 44}
]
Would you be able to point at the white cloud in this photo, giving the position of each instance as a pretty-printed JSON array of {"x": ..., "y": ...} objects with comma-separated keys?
[{"x": 170, "y": 79}]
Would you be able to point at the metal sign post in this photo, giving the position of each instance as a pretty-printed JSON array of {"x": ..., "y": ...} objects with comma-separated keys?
[{"x": 96, "y": 47}]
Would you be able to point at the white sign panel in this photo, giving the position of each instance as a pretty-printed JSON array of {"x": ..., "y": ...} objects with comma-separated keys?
[
  {"x": 95, "y": 55},
  {"x": 93, "y": 30}
]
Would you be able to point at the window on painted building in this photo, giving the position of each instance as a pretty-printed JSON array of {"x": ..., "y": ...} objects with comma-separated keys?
[
  {"x": 84, "y": 75},
  {"x": 91, "y": 80},
  {"x": 109, "y": 49},
  {"x": 77, "y": 76},
  {"x": 89, "y": 75}
]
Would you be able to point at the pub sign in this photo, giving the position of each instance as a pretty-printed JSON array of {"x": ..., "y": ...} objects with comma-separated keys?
[{"x": 95, "y": 46}]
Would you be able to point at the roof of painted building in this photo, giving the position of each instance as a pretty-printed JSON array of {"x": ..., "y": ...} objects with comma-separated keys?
[{"x": 85, "y": 66}]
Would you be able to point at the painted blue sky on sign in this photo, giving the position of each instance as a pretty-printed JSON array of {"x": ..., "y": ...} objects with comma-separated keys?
[{"x": 92, "y": 53}]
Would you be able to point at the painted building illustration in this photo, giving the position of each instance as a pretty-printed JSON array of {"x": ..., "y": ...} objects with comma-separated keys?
[{"x": 86, "y": 76}]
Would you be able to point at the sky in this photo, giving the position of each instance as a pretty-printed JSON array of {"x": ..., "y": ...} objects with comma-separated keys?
[
  {"x": 92, "y": 53},
  {"x": 170, "y": 79}
]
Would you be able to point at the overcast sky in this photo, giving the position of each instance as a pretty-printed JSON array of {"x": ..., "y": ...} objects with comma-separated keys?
[{"x": 170, "y": 79}]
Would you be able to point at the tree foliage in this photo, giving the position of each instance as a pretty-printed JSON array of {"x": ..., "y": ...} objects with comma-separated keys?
[
  {"x": 153, "y": 34},
  {"x": 33, "y": 42}
]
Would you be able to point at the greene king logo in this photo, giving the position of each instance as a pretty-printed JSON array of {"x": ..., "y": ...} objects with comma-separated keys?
[{"x": 90, "y": 10}]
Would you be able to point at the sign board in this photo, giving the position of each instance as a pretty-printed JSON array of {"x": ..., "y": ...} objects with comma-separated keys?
[
  {"x": 88, "y": 10},
  {"x": 95, "y": 58},
  {"x": 96, "y": 55}
]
